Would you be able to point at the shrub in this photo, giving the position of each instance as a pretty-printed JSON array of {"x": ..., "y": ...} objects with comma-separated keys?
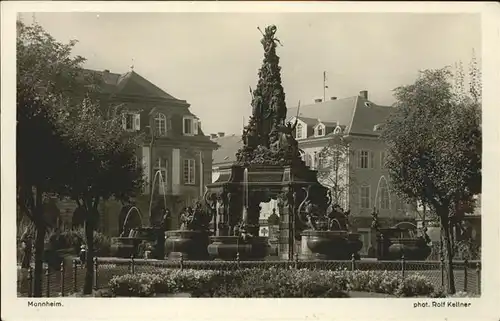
[
  {"x": 137, "y": 285},
  {"x": 414, "y": 285},
  {"x": 76, "y": 237},
  {"x": 269, "y": 283}
]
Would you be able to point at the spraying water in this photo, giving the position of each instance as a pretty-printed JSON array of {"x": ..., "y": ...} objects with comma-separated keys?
[
  {"x": 162, "y": 183},
  {"x": 128, "y": 213},
  {"x": 245, "y": 195},
  {"x": 378, "y": 188}
]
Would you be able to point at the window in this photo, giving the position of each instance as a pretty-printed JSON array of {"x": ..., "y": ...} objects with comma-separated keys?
[
  {"x": 383, "y": 159},
  {"x": 384, "y": 201},
  {"x": 337, "y": 130},
  {"x": 160, "y": 172},
  {"x": 161, "y": 124},
  {"x": 298, "y": 131},
  {"x": 189, "y": 171},
  {"x": 131, "y": 121},
  {"x": 320, "y": 130},
  {"x": 190, "y": 126},
  {"x": 364, "y": 194},
  {"x": 365, "y": 159}
]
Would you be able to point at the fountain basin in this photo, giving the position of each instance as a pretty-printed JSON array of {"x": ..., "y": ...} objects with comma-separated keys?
[
  {"x": 329, "y": 245},
  {"x": 191, "y": 244},
  {"x": 128, "y": 246},
  {"x": 228, "y": 247},
  {"x": 124, "y": 247},
  {"x": 414, "y": 249}
]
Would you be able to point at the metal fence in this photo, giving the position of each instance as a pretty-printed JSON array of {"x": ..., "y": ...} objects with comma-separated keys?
[{"x": 69, "y": 279}]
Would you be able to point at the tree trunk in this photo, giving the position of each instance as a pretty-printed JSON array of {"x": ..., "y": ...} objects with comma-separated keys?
[
  {"x": 39, "y": 244},
  {"x": 39, "y": 248},
  {"x": 449, "y": 254},
  {"x": 89, "y": 237}
]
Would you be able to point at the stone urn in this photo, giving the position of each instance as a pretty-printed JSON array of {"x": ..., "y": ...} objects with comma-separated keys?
[
  {"x": 228, "y": 247},
  {"x": 192, "y": 244},
  {"x": 414, "y": 249},
  {"x": 329, "y": 245}
]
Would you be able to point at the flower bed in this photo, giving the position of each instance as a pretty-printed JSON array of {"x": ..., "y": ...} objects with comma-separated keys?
[{"x": 268, "y": 283}]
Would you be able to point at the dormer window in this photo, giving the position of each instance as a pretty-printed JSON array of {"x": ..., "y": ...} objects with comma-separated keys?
[
  {"x": 337, "y": 130},
  {"x": 161, "y": 124},
  {"x": 298, "y": 130},
  {"x": 320, "y": 130},
  {"x": 190, "y": 126},
  {"x": 131, "y": 121}
]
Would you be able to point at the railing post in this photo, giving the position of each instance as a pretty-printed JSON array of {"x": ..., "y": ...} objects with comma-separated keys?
[
  {"x": 353, "y": 262},
  {"x": 30, "y": 282},
  {"x": 62, "y": 278},
  {"x": 96, "y": 266},
  {"x": 132, "y": 264},
  {"x": 47, "y": 278},
  {"x": 466, "y": 279},
  {"x": 75, "y": 275},
  {"x": 238, "y": 260},
  {"x": 403, "y": 265},
  {"x": 382, "y": 244},
  {"x": 478, "y": 273},
  {"x": 182, "y": 261},
  {"x": 296, "y": 260}
]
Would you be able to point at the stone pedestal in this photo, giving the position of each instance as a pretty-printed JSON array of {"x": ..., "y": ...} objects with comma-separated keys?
[{"x": 228, "y": 247}]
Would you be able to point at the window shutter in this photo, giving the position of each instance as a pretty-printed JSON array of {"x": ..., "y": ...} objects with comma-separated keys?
[
  {"x": 358, "y": 159},
  {"x": 124, "y": 121},
  {"x": 137, "y": 121},
  {"x": 195, "y": 127},
  {"x": 372, "y": 160}
]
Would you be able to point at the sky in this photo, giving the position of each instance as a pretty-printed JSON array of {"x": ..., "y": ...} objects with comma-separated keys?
[{"x": 211, "y": 59}]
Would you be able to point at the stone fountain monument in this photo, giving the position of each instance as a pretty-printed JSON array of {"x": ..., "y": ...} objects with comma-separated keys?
[
  {"x": 268, "y": 166},
  {"x": 134, "y": 236}
]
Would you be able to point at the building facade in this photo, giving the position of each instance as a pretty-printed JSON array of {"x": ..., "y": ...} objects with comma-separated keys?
[
  {"x": 361, "y": 177},
  {"x": 175, "y": 154}
]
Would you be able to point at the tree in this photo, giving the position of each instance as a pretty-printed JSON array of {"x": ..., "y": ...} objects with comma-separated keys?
[
  {"x": 434, "y": 142},
  {"x": 99, "y": 163},
  {"x": 333, "y": 170},
  {"x": 46, "y": 73}
]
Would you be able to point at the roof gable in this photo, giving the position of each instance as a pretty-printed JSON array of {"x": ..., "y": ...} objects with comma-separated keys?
[
  {"x": 366, "y": 116},
  {"x": 130, "y": 83},
  {"x": 228, "y": 147}
]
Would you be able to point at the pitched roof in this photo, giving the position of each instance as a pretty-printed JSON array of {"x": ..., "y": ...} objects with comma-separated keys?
[
  {"x": 228, "y": 146},
  {"x": 128, "y": 83},
  {"x": 357, "y": 114}
]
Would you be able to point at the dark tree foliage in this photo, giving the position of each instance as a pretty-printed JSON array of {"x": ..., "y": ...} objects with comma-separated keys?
[
  {"x": 64, "y": 144},
  {"x": 434, "y": 139},
  {"x": 46, "y": 73}
]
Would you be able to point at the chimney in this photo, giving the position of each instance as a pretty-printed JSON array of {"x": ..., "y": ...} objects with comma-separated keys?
[
  {"x": 221, "y": 134},
  {"x": 364, "y": 94},
  {"x": 213, "y": 136},
  {"x": 333, "y": 98},
  {"x": 318, "y": 100}
]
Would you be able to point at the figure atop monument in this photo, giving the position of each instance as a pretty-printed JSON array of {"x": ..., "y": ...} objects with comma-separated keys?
[{"x": 267, "y": 139}]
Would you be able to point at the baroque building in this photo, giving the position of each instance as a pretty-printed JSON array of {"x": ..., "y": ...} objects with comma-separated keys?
[{"x": 173, "y": 144}]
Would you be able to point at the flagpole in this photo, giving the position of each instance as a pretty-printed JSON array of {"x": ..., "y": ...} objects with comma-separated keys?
[{"x": 325, "y": 86}]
